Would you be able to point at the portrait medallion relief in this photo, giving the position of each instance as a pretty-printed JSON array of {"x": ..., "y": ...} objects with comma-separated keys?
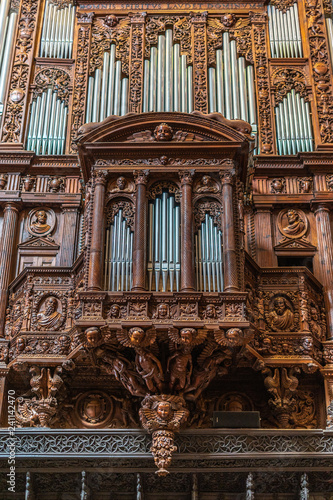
[
  {"x": 50, "y": 315},
  {"x": 292, "y": 223},
  {"x": 94, "y": 409},
  {"x": 41, "y": 221}
]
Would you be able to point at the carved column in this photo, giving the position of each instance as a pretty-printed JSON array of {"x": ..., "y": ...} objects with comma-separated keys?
[
  {"x": 136, "y": 64},
  {"x": 199, "y": 57},
  {"x": 3, "y": 395},
  {"x": 186, "y": 240},
  {"x": 229, "y": 243},
  {"x": 325, "y": 250},
  {"x": 77, "y": 115},
  {"x": 140, "y": 231},
  {"x": 264, "y": 237},
  {"x": 97, "y": 233},
  {"x": 327, "y": 373},
  {"x": 7, "y": 246},
  {"x": 69, "y": 234}
]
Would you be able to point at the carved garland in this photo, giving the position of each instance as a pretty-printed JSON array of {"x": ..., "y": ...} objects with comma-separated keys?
[
  {"x": 81, "y": 75},
  {"x": 137, "y": 63},
  {"x": 200, "y": 80},
  {"x": 20, "y": 73},
  {"x": 263, "y": 87},
  {"x": 320, "y": 64}
]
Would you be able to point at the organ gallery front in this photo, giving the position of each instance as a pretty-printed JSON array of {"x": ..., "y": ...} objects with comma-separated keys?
[{"x": 166, "y": 250}]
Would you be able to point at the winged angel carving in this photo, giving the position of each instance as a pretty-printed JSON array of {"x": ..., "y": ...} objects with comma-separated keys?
[
  {"x": 163, "y": 412},
  {"x": 180, "y": 362},
  {"x": 147, "y": 364}
]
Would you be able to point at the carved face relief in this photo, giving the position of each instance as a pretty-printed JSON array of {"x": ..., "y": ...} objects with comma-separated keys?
[
  {"x": 49, "y": 317},
  {"x": 41, "y": 222},
  {"x": 186, "y": 336},
  {"x": 93, "y": 336},
  {"x": 114, "y": 311},
  {"x": 228, "y": 20},
  {"x": 210, "y": 312},
  {"x": 233, "y": 336},
  {"x": 162, "y": 310},
  {"x": 136, "y": 336},
  {"x": 20, "y": 344},
  {"x": 163, "y": 132},
  {"x": 164, "y": 410},
  {"x": 281, "y": 316},
  {"x": 292, "y": 223}
]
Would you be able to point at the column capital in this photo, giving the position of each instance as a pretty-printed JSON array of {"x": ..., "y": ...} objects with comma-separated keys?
[
  {"x": 320, "y": 206},
  {"x": 11, "y": 206},
  {"x": 101, "y": 176},
  {"x": 141, "y": 176},
  {"x": 227, "y": 176},
  {"x": 186, "y": 176}
]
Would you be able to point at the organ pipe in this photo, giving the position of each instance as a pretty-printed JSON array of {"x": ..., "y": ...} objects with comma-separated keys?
[
  {"x": 293, "y": 125},
  {"x": 231, "y": 85},
  {"x": 8, "y": 20},
  {"x": 118, "y": 265},
  {"x": 107, "y": 90},
  {"x": 329, "y": 26},
  {"x": 208, "y": 257},
  {"x": 47, "y": 124},
  {"x": 164, "y": 244},
  {"x": 284, "y": 32},
  {"x": 168, "y": 79},
  {"x": 57, "y": 32}
]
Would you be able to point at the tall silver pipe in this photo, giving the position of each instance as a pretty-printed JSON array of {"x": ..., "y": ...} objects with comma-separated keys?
[
  {"x": 56, "y": 127},
  {"x": 90, "y": 92},
  {"x": 117, "y": 89},
  {"x": 219, "y": 82},
  {"x": 157, "y": 247},
  {"x": 212, "y": 85},
  {"x": 31, "y": 124},
  {"x": 242, "y": 89},
  {"x": 46, "y": 119},
  {"x": 189, "y": 89},
  {"x": 160, "y": 72},
  {"x": 4, "y": 9},
  {"x": 124, "y": 97},
  {"x": 234, "y": 81},
  {"x": 168, "y": 70},
  {"x": 104, "y": 89},
  {"x": 183, "y": 84},
  {"x": 145, "y": 104},
  {"x": 96, "y": 96},
  {"x": 153, "y": 79},
  {"x": 111, "y": 79},
  {"x": 52, "y": 121},
  {"x": 151, "y": 229},
  {"x": 6, "y": 55},
  {"x": 284, "y": 32},
  {"x": 177, "y": 246},
  {"x": 176, "y": 77},
  {"x": 227, "y": 76}
]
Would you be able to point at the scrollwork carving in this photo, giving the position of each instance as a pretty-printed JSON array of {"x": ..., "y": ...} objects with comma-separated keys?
[{"x": 286, "y": 79}]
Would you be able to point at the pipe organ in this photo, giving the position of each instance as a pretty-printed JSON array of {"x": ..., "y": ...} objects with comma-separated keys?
[
  {"x": 208, "y": 256},
  {"x": 118, "y": 268},
  {"x": 284, "y": 32},
  {"x": 166, "y": 248},
  {"x": 164, "y": 244},
  {"x": 57, "y": 32},
  {"x": 293, "y": 125}
]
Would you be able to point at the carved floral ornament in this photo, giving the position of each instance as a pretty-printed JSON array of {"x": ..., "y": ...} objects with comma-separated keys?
[
  {"x": 56, "y": 79},
  {"x": 286, "y": 79}
]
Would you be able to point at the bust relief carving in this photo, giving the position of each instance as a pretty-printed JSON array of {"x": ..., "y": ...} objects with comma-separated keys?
[
  {"x": 121, "y": 185},
  {"x": 281, "y": 316},
  {"x": 41, "y": 221},
  {"x": 292, "y": 223},
  {"x": 49, "y": 316},
  {"x": 206, "y": 185}
]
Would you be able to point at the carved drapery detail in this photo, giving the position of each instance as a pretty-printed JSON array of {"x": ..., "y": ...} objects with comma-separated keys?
[
  {"x": 213, "y": 208},
  {"x": 55, "y": 79},
  {"x": 200, "y": 81},
  {"x": 106, "y": 31},
  {"x": 286, "y": 79},
  {"x": 320, "y": 62},
  {"x": 12, "y": 125},
  {"x": 263, "y": 85},
  {"x": 81, "y": 75}
]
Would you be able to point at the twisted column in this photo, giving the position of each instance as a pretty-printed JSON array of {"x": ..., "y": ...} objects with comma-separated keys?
[
  {"x": 97, "y": 233},
  {"x": 325, "y": 250},
  {"x": 140, "y": 231},
  {"x": 7, "y": 245},
  {"x": 186, "y": 243},
  {"x": 229, "y": 243}
]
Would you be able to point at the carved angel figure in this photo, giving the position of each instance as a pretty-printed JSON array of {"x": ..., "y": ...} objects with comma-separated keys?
[
  {"x": 147, "y": 364},
  {"x": 232, "y": 338},
  {"x": 163, "y": 412},
  {"x": 180, "y": 361}
]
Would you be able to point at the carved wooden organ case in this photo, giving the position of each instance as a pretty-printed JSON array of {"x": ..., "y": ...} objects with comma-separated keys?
[{"x": 166, "y": 238}]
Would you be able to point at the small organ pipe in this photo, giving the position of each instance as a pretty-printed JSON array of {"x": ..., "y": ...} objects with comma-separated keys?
[
  {"x": 208, "y": 245},
  {"x": 57, "y": 31},
  {"x": 124, "y": 97},
  {"x": 189, "y": 89},
  {"x": 183, "y": 88},
  {"x": 284, "y": 32},
  {"x": 118, "y": 255},
  {"x": 212, "y": 85}
]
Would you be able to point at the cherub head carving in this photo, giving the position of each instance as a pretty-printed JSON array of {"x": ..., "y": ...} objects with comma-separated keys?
[
  {"x": 93, "y": 336},
  {"x": 232, "y": 338},
  {"x": 111, "y": 21},
  {"x": 136, "y": 337},
  {"x": 187, "y": 337},
  {"x": 163, "y": 412},
  {"x": 228, "y": 20},
  {"x": 163, "y": 132}
]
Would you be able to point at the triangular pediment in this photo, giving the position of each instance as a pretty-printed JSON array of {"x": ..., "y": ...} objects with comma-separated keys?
[
  {"x": 39, "y": 243},
  {"x": 299, "y": 246}
]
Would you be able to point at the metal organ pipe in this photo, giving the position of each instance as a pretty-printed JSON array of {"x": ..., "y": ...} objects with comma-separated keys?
[
  {"x": 57, "y": 32},
  {"x": 118, "y": 255},
  {"x": 168, "y": 79},
  {"x": 7, "y": 32},
  {"x": 47, "y": 124},
  {"x": 293, "y": 125},
  {"x": 231, "y": 85},
  {"x": 107, "y": 90},
  {"x": 208, "y": 257},
  {"x": 164, "y": 244},
  {"x": 284, "y": 32}
]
